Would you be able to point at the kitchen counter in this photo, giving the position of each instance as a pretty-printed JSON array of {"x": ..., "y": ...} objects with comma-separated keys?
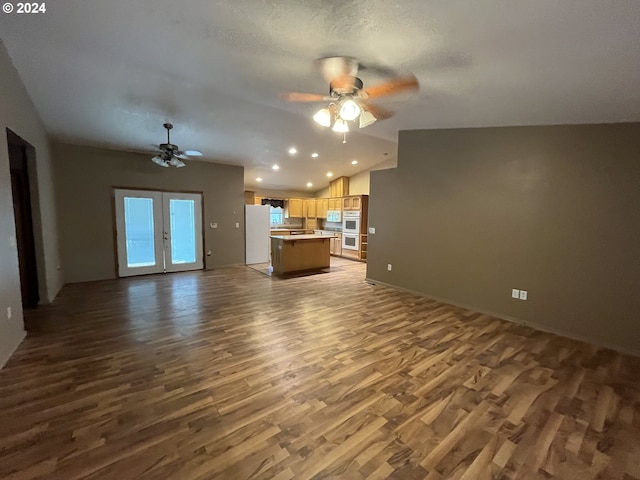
[
  {"x": 303, "y": 237},
  {"x": 297, "y": 253}
]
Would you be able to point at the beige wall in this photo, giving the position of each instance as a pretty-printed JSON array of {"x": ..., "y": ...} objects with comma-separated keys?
[
  {"x": 84, "y": 180},
  {"x": 470, "y": 214},
  {"x": 359, "y": 183},
  {"x": 324, "y": 193},
  {"x": 18, "y": 114}
]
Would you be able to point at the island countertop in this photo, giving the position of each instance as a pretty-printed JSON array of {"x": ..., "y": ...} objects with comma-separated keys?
[
  {"x": 288, "y": 238},
  {"x": 297, "y": 253}
]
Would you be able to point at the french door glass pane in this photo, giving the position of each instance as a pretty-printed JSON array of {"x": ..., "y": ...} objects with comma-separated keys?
[
  {"x": 138, "y": 218},
  {"x": 183, "y": 231}
]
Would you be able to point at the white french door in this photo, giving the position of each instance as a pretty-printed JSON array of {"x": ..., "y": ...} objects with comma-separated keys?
[{"x": 158, "y": 231}]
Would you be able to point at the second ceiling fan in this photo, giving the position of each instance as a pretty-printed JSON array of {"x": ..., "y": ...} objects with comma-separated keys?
[{"x": 348, "y": 98}]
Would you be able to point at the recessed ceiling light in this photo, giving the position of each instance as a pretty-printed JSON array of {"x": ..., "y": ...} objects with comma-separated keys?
[
  {"x": 258, "y": 179},
  {"x": 309, "y": 184},
  {"x": 354, "y": 162},
  {"x": 276, "y": 167},
  {"x": 314, "y": 155},
  {"x": 329, "y": 174},
  {"x": 293, "y": 151}
]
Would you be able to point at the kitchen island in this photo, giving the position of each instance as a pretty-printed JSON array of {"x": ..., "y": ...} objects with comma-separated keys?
[{"x": 299, "y": 253}]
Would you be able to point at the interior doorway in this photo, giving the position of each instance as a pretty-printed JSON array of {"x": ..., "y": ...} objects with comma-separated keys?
[
  {"x": 19, "y": 152},
  {"x": 158, "y": 232}
]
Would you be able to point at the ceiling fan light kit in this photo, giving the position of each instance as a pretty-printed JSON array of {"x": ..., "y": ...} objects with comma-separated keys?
[
  {"x": 170, "y": 155},
  {"x": 348, "y": 100}
]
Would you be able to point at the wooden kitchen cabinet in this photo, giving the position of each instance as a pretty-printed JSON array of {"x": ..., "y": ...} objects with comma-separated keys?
[
  {"x": 334, "y": 203},
  {"x": 258, "y": 200},
  {"x": 322, "y": 205},
  {"x": 339, "y": 187},
  {"x": 351, "y": 203},
  {"x": 295, "y": 208},
  {"x": 249, "y": 197},
  {"x": 364, "y": 242},
  {"x": 310, "y": 208},
  {"x": 336, "y": 245}
]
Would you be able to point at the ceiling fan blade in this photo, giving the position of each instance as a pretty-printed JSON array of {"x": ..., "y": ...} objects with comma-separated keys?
[
  {"x": 192, "y": 153},
  {"x": 397, "y": 85},
  {"x": 378, "y": 112},
  {"x": 304, "y": 97}
]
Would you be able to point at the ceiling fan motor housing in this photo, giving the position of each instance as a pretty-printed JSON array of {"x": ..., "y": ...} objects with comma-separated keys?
[
  {"x": 169, "y": 147},
  {"x": 337, "y": 88}
]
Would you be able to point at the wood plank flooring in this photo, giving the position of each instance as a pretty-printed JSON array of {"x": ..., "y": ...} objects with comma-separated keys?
[{"x": 232, "y": 374}]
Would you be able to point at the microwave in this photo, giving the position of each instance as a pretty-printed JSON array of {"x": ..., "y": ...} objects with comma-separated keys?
[{"x": 334, "y": 216}]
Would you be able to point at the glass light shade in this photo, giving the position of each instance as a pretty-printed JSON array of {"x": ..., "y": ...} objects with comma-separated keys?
[
  {"x": 159, "y": 161},
  {"x": 366, "y": 119},
  {"x": 176, "y": 162},
  {"x": 340, "y": 126},
  {"x": 323, "y": 117},
  {"x": 350, "y": 110}
]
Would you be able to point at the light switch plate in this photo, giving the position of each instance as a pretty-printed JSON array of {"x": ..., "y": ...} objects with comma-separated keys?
[
  {"x": 372, "y": 230},
  {"x": 515, "y": 293},
  {"x": 237, "y": 225},
  {"x": 12, "y": 241},
  {"x": 213, "y": 225},
  {"x": 523, "y": 294}
]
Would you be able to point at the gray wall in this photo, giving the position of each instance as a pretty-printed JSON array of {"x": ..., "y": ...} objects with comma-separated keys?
[
  {"x": 470, "y": 214},
  {"x": 18, "y": 114},
  {"x": 84, "y": 179}
]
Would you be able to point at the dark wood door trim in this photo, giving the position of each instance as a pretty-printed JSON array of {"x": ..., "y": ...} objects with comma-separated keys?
[{"x": 23, "y": 215}]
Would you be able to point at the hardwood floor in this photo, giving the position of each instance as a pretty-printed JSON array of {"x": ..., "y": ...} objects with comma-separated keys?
[{"x": 232, "y": 374}]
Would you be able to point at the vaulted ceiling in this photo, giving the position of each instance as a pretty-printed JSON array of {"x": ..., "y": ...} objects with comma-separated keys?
[{"x": 109, "y": 73}]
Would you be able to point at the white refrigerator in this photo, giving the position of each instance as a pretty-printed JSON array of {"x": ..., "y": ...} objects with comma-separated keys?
[{"x": 257, "y": 225}]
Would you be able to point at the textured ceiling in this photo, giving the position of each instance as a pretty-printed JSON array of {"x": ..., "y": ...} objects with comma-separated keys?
[{"x": 111, "y": 72}]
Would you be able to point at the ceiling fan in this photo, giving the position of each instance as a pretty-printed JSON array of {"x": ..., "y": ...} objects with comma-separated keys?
[
  {"x": 170, "y": 154},
  {"x": 348, "y": 99}
]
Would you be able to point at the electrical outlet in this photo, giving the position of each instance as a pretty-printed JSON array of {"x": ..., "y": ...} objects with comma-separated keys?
[
  {"x": 8, "y": 313},
  {"x": 523, "y": 294},
  {"x": 389, "y": 266},
  {"x": 515, "y": 293}
]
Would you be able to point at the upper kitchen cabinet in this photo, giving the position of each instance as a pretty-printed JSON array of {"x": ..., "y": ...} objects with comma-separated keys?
[
  {"x": 258, "y": 200},
  {"x": 322, "y": 205},
  {"x": 310, "y": 208},
  {"x": 339, "y": 187},
  {"x": 296, "y": 208},
  {"x": 352, "y": 203},
  {"x": 249, "y": 197},
  {"x": 334, "y": 203}
]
